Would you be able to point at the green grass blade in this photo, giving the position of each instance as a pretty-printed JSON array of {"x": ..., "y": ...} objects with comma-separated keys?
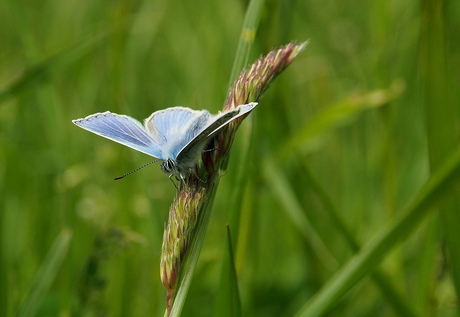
[
  {"x": 388, "y": 291},
  {"x": 441, "y": 120},
  {"x": 338, "y": 115},
  {"x": 228, "y": 303},
  {"x": 248, "y": 34},
  {"x": 38, "y": 72},
  {"x": 285, "y": 195},
  {"x": 439, "y": 185},
  {"x": 46, "y": 274},
  {"x": 281, "y": 189}
]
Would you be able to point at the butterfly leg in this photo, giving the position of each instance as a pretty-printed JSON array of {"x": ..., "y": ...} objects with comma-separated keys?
[
  {"x": 211, "y": 150},
  {"x": 171, "y": 179},
  {"x": 192, "y": 171}
]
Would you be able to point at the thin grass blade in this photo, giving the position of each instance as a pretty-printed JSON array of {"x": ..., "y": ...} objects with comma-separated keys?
[
  {"x": 46, "y": 274},
  {"x": 338, "y": 115},
  {"x": 365, "y": 262},
  {"x": 228, "y": 303},
  {"x": 248, "y": 34},
  {"x": 389, "y": 292},
  {"x": 441, "y": 121},
  {"x": 284, "y": 193},
  {"x": 37, "y": 72}
]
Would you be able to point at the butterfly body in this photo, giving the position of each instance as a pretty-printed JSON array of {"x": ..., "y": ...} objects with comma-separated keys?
[{"x": 176, "y": 136}]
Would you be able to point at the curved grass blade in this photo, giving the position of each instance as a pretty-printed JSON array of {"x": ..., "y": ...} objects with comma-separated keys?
[
  {"x": 365, "y": 262},
  {"x": 389, "y": 292},
  {"x": 33, "y": 74},
  {"x": 285, "y": 195},
  {"x": 338, "y": 115},
  {"x": 46, "y": 274}
]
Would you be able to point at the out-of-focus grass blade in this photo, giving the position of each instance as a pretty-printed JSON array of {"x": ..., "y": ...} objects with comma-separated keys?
[
  {"x": 248, "y": 34},
  {"x": 284, "y": 193},
  {"x": 441, "y": 121},
  {"x": 400, "y": 305},
  {"x": 228, "y": 300},
  {"x": 46, "y": 274},
  {"x": 42, "y": 69},
  {"x": 439, "y": 185},
  {"x": 338, "y": 115}
]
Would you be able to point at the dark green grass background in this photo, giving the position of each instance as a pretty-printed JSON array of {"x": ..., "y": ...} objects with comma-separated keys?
[{"x": 368, "y": 110}]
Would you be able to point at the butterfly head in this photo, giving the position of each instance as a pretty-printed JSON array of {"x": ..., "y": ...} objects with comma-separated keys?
[{"x": 169, "y": 166}]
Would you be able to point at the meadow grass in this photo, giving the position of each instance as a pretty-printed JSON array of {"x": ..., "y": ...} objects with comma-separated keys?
[{"x": 348, "y": 204}]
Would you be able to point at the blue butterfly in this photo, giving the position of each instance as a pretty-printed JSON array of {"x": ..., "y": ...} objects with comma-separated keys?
[{"x": 176, "y": 136}]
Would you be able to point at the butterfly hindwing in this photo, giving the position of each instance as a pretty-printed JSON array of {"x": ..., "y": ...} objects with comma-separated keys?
[{"x": 122, "y": 129}]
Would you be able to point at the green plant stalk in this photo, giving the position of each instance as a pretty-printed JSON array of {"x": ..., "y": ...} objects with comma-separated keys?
[
  {"x": 191, "y": 209},
  {"x": 248, "y": 34},
  {"x": 365, "y": 262},
  {"x": 441, "y": 117}
]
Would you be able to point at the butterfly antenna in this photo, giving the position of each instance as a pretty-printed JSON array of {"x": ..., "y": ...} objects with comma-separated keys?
[{"x": 120, "y": 177}]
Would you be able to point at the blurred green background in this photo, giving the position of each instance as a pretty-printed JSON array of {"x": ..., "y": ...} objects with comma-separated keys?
[{"x": 356, "y": 124}]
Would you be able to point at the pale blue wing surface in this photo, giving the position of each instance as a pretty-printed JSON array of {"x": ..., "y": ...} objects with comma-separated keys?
[
  {"x": 173, "y": 128},
  {"x": 178, "y": 133},
  {"x": 169, "y": 122},
  {"x": 122, "y": 129}
]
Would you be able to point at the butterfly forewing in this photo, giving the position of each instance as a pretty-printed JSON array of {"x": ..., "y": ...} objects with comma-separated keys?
[
  {"x": 122, "y": 129},
  {"x": 216, "y": 123},
  {"x": 241, "y": 110}
]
